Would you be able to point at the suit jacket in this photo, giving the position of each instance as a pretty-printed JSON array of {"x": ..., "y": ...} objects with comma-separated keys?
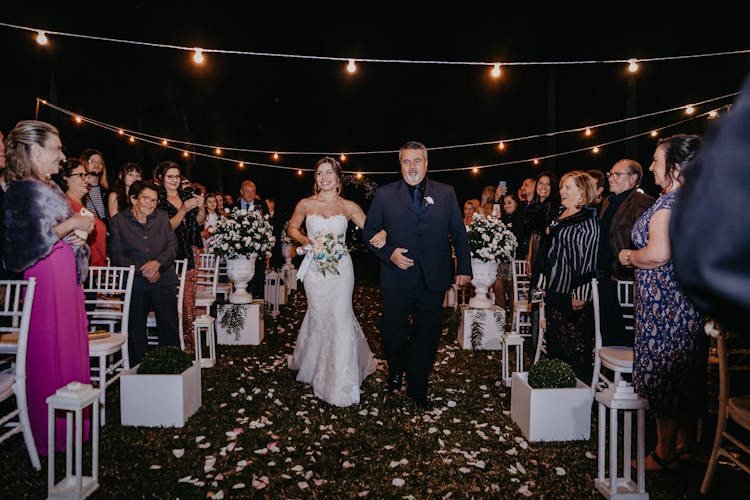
[
  {"x": 709, "y": 230},
  {"x": 427, "y": 234},
  {"x": 627, "y": 213},
  {"x": 258, "y": 204}
]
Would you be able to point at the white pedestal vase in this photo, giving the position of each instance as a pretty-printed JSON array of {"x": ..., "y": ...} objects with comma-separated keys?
[
  {"x": 240, "y": 270},
  {"x": 485, "y": 274}
]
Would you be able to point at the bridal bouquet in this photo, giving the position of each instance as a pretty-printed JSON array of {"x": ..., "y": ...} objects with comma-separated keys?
[
  {"x": 328, "y": 249},
  {"x": 241, "y": 233},
  {"x": 490, "y": 240}
]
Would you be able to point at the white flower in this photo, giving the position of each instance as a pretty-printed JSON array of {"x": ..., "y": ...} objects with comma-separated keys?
[
  {"x": 490, "y": 240},
  {"x": 242, "y": 233},
  {"x": 428, "y": 201}
]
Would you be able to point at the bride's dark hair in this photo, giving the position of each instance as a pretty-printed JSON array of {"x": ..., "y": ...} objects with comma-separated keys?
[{"x": 336, "y": 170}]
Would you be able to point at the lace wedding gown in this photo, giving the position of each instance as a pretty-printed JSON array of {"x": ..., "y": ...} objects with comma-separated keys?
[{"x": 332, "y": 353}]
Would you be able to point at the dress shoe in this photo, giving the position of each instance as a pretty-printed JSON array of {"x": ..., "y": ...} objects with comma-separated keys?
[
  {"x": 395, "y": 381},
  {"x": 420, "y": 401}
]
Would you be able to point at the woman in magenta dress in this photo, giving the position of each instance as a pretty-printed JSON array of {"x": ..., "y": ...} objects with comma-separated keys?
[{"x": 40, "y": 240}]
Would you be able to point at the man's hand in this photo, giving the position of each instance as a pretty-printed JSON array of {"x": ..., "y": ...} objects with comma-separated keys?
[
  {"x": 154, "y": 278},
  {"x": 401, "y": 260},
  {"x": 150, "y": 269},
  {"x": 463, "y": 279}
]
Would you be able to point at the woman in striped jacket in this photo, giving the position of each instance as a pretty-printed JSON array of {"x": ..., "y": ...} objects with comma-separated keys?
[{"x": 570, "y": 262}]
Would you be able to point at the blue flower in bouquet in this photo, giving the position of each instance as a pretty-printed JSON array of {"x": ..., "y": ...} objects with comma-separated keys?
[{"x": 329, "y": 249}]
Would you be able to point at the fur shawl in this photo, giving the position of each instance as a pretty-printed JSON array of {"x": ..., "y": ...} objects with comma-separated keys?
[{"x": 32, "y": 209}]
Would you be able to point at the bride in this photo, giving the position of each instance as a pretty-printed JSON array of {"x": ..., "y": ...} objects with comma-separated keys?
[{"x": 331, "y": 353}]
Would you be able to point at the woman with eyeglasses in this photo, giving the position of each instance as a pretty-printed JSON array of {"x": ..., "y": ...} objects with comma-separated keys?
[
  {"x": 41, "y": 242},
  {"x": 96, "y": 200},
  {"x": 74, "y": 180},
  {"x": 118, "y": 199},
  {"x": 187, "y": 214}
]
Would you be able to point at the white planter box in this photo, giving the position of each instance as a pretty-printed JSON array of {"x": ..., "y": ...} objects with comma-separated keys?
[
  {"x": 551, "y": 414},
  {"x": 251, "y": 334},
  {"x": 160, "y": 400},
  {"x": 491, "y": 321}
]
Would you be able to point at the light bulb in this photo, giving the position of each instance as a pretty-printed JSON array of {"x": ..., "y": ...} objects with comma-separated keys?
[
  {"x": 352, "y": 66},
  {"x": 164, "y": 142},
  {"x": 588, "y": 131},
  {"x": 690, "y": 109},
  {"x": 299, "y": 171},
  {"x": 496, "y": 71},
  {"x": 632, "y": 65},
  {"x": 654, "y": 133},
  {"x": 217, "y": 151},
  {"x": 41, "y": 38},
  {"x": 342, "y": 157},
  {"x": 501, "y": 146},
  {"x": 198, "y": 56},
  {"x": 595, "y": 150},
  {"x": 276, "y": 156}
]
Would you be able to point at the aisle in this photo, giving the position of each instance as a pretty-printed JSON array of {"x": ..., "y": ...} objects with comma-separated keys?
[{"x": 262, "y": 434}]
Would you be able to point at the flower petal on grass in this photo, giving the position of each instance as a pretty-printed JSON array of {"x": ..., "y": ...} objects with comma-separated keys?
[
  {"x": 397, "y": 481},
  {"x": 178, "y": 452},
  {"x": 560, "y": 471}
]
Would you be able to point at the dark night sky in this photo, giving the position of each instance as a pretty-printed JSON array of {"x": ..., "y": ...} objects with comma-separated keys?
[{"x": 296, "y": 105}]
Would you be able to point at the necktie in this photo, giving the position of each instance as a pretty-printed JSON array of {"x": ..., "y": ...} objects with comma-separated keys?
[{"x": 417, "y": 201}]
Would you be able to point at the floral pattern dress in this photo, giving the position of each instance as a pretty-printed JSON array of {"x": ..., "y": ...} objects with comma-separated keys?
[{"x": 671, "y": 348}]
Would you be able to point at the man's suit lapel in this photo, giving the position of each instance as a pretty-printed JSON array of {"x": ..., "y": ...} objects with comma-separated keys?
[{"x": 404, "y": 197}]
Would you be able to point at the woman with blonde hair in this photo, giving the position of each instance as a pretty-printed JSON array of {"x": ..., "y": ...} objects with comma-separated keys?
[{"x": 569, "y": 257}]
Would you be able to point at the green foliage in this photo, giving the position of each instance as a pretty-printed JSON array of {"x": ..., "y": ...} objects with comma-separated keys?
[
  {"x": 453, "y": 321},
  {"x": 551, "y": 373},
  {"x": 166, "y": 360},
  {"x": 477, "y": 328},
  {"x": 232, "y": 319}
]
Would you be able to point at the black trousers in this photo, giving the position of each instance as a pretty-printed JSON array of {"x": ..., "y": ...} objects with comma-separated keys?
[
  {"x": 412, "y": 347},
  {"x": 258, "y": 283},
  {"x": 612, "y": 323},
  {"x": 163, "y": 301}
]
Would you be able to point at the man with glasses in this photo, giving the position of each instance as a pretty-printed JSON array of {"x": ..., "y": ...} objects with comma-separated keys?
[
  {"x": 143, "y": 236},
  {"x": 618, "y": 213}
]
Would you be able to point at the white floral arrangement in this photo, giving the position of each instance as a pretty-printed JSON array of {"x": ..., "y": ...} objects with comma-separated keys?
[
  {"x": 285, "y": 238},
  {"x": 490, "y": 240},
  {"x": 241, "y": 233}
]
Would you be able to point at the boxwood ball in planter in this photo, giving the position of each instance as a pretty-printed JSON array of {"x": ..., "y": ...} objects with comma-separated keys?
[{"x": 551, "y": 373}]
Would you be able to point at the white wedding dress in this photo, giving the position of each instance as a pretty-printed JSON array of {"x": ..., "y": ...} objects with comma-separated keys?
[{"x": 332, "y": 354}]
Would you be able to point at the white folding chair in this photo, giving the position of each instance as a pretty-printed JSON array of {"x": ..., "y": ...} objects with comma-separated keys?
[
  {"x": 180, "y": 266},
  {"x": 619, "y": 359},
  {"x": 208, "y": 280},
  {"x": 521, "y": 304},
  {"x": 16, "y": 299},
  {"x": 108, "y": 290}
]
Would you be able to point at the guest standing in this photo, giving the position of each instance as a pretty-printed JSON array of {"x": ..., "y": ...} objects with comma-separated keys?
[
  {"x": 96, "y": 200},
  {"x": 671, "y": 348},
  {"x": 187, "y": 214},
  {"x": 118, "y": 199},
  {"x": 503, "y": 287},
  {"x": 250, "y": 201},
  {"x": 74, "y": 180},
  {"x": 569, "y": 263},
  {"x": 142, "y": 236},
  {"x": 40, "y": 241}
]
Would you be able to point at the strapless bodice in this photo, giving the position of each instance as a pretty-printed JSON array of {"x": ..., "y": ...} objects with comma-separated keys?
[{"x": 317, "y": 224}]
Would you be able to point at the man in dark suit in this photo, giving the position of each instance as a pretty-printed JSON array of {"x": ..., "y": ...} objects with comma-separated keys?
[
  {"x": 616, "y": 218},
  {"x": 709, "y": 230},
  {"x": 422, "y": 219},
  {"x": 249, "y": 200}
]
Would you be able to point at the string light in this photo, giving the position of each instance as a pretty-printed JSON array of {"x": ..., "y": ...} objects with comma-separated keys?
[
  {"x": 342, "y": 157},
  {"x": 689, "y": 109},
  {"x": 496, "y": 71},
  {"x": 501, "y": 146},
  {"x": 78, "y": 119},
  {"x": 474, "y": 170},
  {"x": 712, "y": 114},
  {"x": 359, "y": 175},
  {"x": 131, "y": 139},
  {"x": 241, "y": 165},
  {"x": 587, "y": 133},
  {"x": 164, "y": 142},
  {"x": 595, "y": 150},
  {"x": 370, "y": 60},
  {"x": 276, "y": 156},
  {"x": 41, "y": 38},
  {"x": 536, "y": 161},
  {"x": 217, "y": 151},
  {"x": 198, "y": 55},
  {"x": 633, "y": 65},
  {"x": 352, "y": 66}
]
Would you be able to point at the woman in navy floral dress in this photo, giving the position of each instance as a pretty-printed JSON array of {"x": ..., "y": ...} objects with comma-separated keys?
[{"x": 671, "y": 348}]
